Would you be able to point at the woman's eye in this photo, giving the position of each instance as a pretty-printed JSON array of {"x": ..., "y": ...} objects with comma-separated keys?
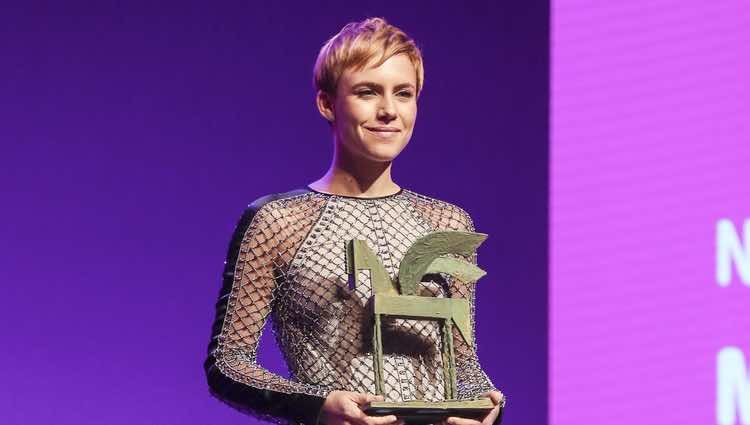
[
  {"x": 365, "y": 92},
  {"x": 405, "y": 94}
]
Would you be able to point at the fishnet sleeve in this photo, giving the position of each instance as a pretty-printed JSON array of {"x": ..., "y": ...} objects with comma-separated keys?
[
  {"x": 254, "y": 262},
  {"x": 472, "y": 381}
]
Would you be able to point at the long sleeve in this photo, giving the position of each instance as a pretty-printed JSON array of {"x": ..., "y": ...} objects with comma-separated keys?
[
  {"x": 472, "y": 381},
  {"x": 255, "y": 260}
]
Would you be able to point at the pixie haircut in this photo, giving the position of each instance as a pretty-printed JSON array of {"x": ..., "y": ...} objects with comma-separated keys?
[{"x": 356, "y": 45}]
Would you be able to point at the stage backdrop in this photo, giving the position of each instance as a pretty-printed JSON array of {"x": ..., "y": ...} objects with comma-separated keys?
[
  {"x": 135, "y": 133},
  {"x": 650, "y": 223}
]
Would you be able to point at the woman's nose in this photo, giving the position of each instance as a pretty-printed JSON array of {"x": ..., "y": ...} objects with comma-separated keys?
[{"x": 386, "y": 109}]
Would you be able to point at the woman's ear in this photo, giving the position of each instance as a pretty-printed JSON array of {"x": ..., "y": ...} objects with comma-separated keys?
[{"x": 325, "y": 105}]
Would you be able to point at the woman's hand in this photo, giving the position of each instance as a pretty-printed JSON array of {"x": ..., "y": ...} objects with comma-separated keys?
[
  {"x": 345, "y": 408},
  {"x": 495, "y": 396}
]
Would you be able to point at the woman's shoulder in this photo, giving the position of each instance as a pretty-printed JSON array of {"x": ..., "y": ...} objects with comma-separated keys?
[
  {"x": 443, "y": 214},
  {"x": 275, "y": 200},
  {"x": 272, "y": 205},
  {"x": 277, "y": 210}
]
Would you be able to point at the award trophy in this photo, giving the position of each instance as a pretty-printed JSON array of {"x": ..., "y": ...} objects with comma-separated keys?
[{"x": 401, "y": 299}]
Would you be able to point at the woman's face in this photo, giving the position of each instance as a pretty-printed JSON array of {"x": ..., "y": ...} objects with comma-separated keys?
[{"x": 375, "y": 109}]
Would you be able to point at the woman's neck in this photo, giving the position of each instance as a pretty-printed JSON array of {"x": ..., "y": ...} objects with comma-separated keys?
[{"x": 359, "y": 178}]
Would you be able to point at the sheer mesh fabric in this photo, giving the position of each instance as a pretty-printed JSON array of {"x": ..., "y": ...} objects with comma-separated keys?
[{"x": 291, "y": 267}]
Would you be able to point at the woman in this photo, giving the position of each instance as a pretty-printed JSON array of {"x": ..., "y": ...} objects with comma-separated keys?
[{"x": 287, "y": 258}]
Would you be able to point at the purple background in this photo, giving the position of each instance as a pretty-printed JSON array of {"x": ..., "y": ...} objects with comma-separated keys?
[
  {"x": 650, "y": 148},
  {"x": 133, "y": 136}
]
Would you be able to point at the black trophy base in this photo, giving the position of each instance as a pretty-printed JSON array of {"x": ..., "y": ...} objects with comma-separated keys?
[{"x": 425, "y": 412}]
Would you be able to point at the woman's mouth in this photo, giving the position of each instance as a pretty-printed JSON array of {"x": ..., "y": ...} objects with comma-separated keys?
[{"x": 386, "y": 133}]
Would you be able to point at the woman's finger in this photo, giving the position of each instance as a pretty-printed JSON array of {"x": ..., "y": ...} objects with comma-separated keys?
[
  {"x": 495, "y": 396},
  {"x": 361, "y": 418},
  {"x": 490, "y": 418},
  {"x": 454, "y": 420},
  {"x": 380, "y": 420}
]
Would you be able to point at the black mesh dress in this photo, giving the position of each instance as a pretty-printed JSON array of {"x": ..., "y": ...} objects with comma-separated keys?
[{"x": 286, "y": 261}]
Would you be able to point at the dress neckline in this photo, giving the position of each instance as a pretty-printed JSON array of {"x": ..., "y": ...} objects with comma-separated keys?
[{"x": 400, "y": 190}]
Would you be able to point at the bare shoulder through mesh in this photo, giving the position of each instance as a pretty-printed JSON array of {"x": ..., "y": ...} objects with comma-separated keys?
[{"x": 442, "y": 215}]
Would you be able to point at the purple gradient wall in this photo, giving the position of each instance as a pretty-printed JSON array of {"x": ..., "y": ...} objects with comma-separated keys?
[{"x": 133, "y": 134}]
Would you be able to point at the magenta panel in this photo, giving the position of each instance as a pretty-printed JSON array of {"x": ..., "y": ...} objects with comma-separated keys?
[{"x": 650, "y": 187}]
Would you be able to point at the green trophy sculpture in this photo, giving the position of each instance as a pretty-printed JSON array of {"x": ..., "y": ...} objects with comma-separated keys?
[{"x": 401, "y": 300}]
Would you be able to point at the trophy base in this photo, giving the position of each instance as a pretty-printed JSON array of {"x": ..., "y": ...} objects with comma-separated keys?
[{"x": 423, "y": 412}]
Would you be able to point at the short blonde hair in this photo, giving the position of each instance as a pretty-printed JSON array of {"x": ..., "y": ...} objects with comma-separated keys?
[{"x": 356, "y": 45}]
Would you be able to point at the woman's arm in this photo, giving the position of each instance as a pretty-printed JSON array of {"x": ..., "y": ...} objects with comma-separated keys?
[
  {"x": 472, "y": 381},
  {"x": 244, "y": 303}
]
